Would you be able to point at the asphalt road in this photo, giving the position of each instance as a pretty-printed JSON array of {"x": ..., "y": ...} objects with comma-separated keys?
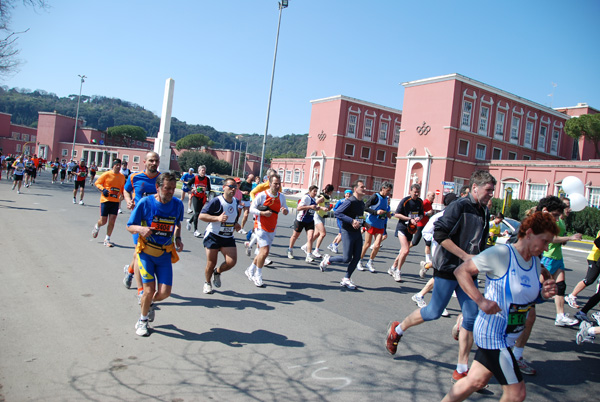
[{"x": 67, "y": 323}]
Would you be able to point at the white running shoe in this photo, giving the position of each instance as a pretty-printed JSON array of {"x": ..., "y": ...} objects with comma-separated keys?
[
  {"x": 309, "y": 258},
  {"x": 290, "y": 254},
  {"x": 572, "y": 301},
  {"x": 151, "y": 313},
  {"x": 445, "y": 313},
  {"x": 335, "y": 249},
  {"x": 207, "y": 289},
  {"x": 188, "y": 226},
  {"x": 565, "y": 321},
  {"x": 247, "y": 247},
  {"x": 74, "y": 200},
  {"x": 359, "y": 266},
  {"x": 216, "y": 279},
  {"x": 397, "y": 276},
  {"x": 331, "y": 247},
  {"x": 197, "y": 234},
  {"x": 95, "y": 232},
  {"x": 417, "y": 298},
  {"x": 347, "y": 283},
  {"x": 583, "y": 333},
  {"x": 370, "y": 266},
  {"x": 120, "y": 211},
  {"x": 249, "y": 273},
  {"x": 324, "y": 263},
  {"x": 303, "y": 248},
  {"x": 422, "y": 271},
  {"x": 257, "y": 279},
  {"x": 316, "y": 253},
  {"x": 596, "y": 316},
  {"x": 391, "y": 271},
  {"x": 81, "y": 202},
  {"x": 189, "y": 211},
  {"x": 268, "y": 261},
  {"x": 141, "y": 328},
  {"x": 242, "y": 231}
]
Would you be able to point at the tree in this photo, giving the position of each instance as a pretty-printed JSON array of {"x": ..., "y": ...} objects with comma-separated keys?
[
  {"x": 126, "y": 134},
  {"x": 8, "y": 50},
  {"x": 194, "y": 141},
  {"x": 588, "y": 126},
  {"x": 193, "y": 159}
]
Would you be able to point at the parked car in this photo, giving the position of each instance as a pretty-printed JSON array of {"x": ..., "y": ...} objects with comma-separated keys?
[
  {"x": 507, "y": 225},
  {"x": 216, "y": 186}
]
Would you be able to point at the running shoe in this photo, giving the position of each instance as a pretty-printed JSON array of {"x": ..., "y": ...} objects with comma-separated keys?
[
  {"x": 332, "y": 248},
  {"x": 581, "y": 316},
  {"x": 151, "y": 313},
  {"x": 370, "y": 266},
  {"x": 423, "y": 270},
  {"x": 309, "y": 258},
  {"x": 290, "y": 254},
  {"x": 108, "y": 243},
  {"x": 188, "y": 226},
  {"x": 142, "y": 328},
  {"x": 360, "y": 267},
  {"x": 525, "y": 367},
  {"x": 189, "y": 211},
  {"x": 74, "y": 200},
  {"x": 397, "y": 276},
  {"x": 139, "y": 297},
  {"x": 247, "y": 247},
  {"x": 242, "y": 231},
  {"x": 456, "y": 327},
  {"x": 445, "y": 313},
  {"x": 391, "y": 271},
  {"x": 207, "y": 289},
  {"x": 95, "y": 232},
  {"x": 392, "y": 338},
  {"x": 120, "y": 211},
  {"x": 18, "y": 191},
  {"x": 128, "y": 277},
  {"x": 197, "y": 234},
  {"x": 81, "y": 202},
  {"x": 417, "y": 298},
  {"x": 347, "y": 283},
  {"x": 268, "y": 261},
  {"x": 316, "y": 253},
  {"x": 249, "y": 273},
  {"x": 565, "y": 321},
  {"x": 572, "y": 301},
  {"x": 217, "y": 279},
  {"x": 596, "y": 316},
  {"x": 257, "y": 279},
  {"x": 303, "y": 248},
  {"x": 458, "y": 376},
  {"x": 324, "y": 263},
  {"x": 583, "y": 334}
]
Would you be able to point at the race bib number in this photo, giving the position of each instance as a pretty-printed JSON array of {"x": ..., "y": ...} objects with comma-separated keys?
[
  {"x": 226, "y": 229},
  {"x": 114, "y": 192},
  {"x": 163, "y": 227},
  {"x": 413, "y": 215},
  {"x": 360, "y": 219},
  {"x": 517, "y": 314}
]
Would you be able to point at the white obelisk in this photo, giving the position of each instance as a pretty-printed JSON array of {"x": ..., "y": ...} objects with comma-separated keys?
[{"x": 162, "y": 145}]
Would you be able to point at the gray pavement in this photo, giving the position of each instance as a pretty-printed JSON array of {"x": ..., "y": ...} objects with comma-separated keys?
[{"x": 67, "y": 323}]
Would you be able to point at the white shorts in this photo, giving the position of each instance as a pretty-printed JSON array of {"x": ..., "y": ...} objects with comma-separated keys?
[
  {"x": 245, "y": 204},
  {"x": 263, "y": 238},
  {"x": 319, "y": 219}
]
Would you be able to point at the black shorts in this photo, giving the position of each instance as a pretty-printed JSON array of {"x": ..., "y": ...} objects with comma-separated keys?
[
  {"x": 404, "y": 230},
  {"x": 592, "y": 272},
  {"x": 502, "y": 364},
  {"x": 417, "y": 236},
  {"x": 214, "y": 242},
  {"x": 18, "y": 177},
  {"x": 79, "y": 184},
  {"x": 299, "y": 226},
  {"x": 54, "y": 171},
  {"x": 109, "y": 208}
]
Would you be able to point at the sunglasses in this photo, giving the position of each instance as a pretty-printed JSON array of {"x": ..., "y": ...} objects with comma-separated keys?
[{"x": 231, "y": 186}]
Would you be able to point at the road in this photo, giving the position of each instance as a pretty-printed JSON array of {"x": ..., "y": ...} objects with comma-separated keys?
[{"x": 67, "y": 323}]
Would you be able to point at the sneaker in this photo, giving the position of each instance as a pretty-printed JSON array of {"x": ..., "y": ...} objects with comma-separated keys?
[
  {"x": 188, "y": 226},
  {"x": 247, "y": 247},
  {"x": 128, "y": 277},
  {"x": 142, "y": 328},
  {"x": 397, "y": 276},
  {"x": 525, "y": 367},
  {"x": 423, "y": 270},
  {"x": 268, "y": 261},
  {"x": 217, "y": 279},
  {"x": 95, "y": 232},
  {"x": 151, "y": 313},
  {"x": 74, "y": 200},
  {"x": 81, "y": 202},
  {"x": 316, "y": 253},
  {"x": 207, "y": 289},
  {"x": 581, "y": 316},
  {"x": 392, "y": 339},
  {"x": 303, "y": 248},
  {"x": 139, "y": 297},
  {"x": 249, "y": 273},
  {"x": 572, "y": 301},
  {"x": 331, "y": 248},
  {"x": 565, "y": 321},
  {"x": 417, "y": 298},
  {"x": 290, "y": 254},
  {"x": 257, "y": 279},
  {"x": 120, "y": 212},
  {"x": 335, "y": 249},
  {"x": 360, "y": 267},
  {"x": 445, "y": 313},
  {"x": 324, "y": 263},
  {"x": 596, "y": 316},
  {"x": 108, "y": 243},
  {"x": 391, "y": 271},
  {"x": 197, "y": 234},
  {"x": 189, "y": 211},
  {"x": 456, "y": 327},
  {"x": 370, "y": 266},
  {"x": 18, "y": 191},
  {"x": 583, "y": 333},
  {"x": 309, "y": 258},
  {"x": 242, "y": 231},
  {"x": 347, "y": 283},
  {"x": 458, "y": 376}
]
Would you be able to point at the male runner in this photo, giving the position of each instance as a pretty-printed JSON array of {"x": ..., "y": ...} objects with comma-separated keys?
[
  {"x": 222, "y": 214},
  {"x": 246, "y": 188},
  {"x": 63, "y": 171},
  {"x": 93, "y": 170},
  {"x": 80, "y": 172},
  {"x": 427, "y": 213},
  {"x": 200, "y": 186},
  {"x": 185, "y": 178},
  {"x": 19, "y": 171},
  {"x": 305, "y": 220},
  {"x": 55, "y": 166},
  {"x": 111, "y": 186},
  {"x": 379, "y": 212}
]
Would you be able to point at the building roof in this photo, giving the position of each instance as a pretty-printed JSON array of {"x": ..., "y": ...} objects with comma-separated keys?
[{"x": 361, "y": 102}]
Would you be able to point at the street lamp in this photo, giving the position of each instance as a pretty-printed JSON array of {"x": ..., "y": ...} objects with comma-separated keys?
[
  {"x": 77, "y": 114},
  {"x": 283, "y": 4}
]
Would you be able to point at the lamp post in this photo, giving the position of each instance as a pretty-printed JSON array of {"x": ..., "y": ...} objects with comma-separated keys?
[
  {"x": 282, "y": 4},
  {"x": 77, "y": 114}
]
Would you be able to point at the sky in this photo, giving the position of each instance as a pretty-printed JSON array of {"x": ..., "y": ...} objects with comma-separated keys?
[{"x": 220, "y": 53}]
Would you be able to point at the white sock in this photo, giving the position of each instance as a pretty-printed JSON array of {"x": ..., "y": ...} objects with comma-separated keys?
[
  {"x": 462, "y": 368},
  {"x": 107, "y": 238},
  {"x": 518, "y": 352},
  {"x": 559, "y": 316},
  {"x": 258, "y": 271},
  {"x": 427, "y": 257},
  {"x": 398, "y": 330},
  {"x": 144, "y": 317}
]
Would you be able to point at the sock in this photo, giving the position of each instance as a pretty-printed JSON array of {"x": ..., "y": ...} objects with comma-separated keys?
[
  {"x": 462, "y": 368},
  {"x": 518, "y": 352},
  {"x": 399, "y": 330},
  {"x": 427, "y": 257},
  {"x": 559, "y": 316},
  {"x": 96, "y": 226},
  {"x": 107, "y": 238},
  {"x": 140, "y": 290},
  {"x": 591, "y": 332},
  {"x": 130, "y": 270},
  {"x": 370, "y": 261},
  {"x": 144, "y": 317}
]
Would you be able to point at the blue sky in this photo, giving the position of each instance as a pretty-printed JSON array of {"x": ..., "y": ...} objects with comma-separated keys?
[{"x": 220, "y": 53}]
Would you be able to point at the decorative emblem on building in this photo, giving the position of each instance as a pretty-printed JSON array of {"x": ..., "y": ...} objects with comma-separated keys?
[
  {"x": 322, "y": 136},
  {"x": 424, "y": 129}
]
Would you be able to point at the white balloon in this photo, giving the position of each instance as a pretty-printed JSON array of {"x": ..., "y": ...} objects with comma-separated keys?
[
  {"x": 572, "y": 185},
  {"x": 578, "y": 202}
]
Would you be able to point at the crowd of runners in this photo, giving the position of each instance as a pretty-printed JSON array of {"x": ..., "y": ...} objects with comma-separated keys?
[{"x": 459, "y": 244}]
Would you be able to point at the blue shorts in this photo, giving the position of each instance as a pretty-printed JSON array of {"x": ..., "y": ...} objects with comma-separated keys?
[
  {"x": 553, "y": 265},
  {"x": 215, "y": 242},
  {"x": 153, "y": 267}
]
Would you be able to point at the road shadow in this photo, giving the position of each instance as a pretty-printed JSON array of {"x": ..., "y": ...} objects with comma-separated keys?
[{"x": 23, "y": 208}]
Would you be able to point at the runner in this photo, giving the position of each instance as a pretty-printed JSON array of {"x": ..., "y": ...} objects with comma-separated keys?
[
  {"x": 462, "y": 233},
  {"x": 427, "y": 213},
  {"x": 324, "y": 208},
  {"x": 592, "y": 274},
  {"x": 80, "y": 172},
  {"x": 93, "y": 170},
  {"x": 246, "y": 188},
  {"x": 222, "y": 214},
  {"x": 72, "y": 166},
  {"x": 409, "y": 212},
  {"x": 512, "y": 288},
  {"x": 200, "y": 186},
  {"x": 29, "y": 171},
  {"x": 260, "y": 187},
  {"x": 156, "y": 222},
  {"x": 185, "y": 178},
  {"x": 63, "y": 171},
  {"x": 352, "y": 215},
  {"x": 333, "y": 247},
  {"x": 55, "y": 166},
  {"x": 266, "y": 206},
  {"x": 125, "y": 172},
  {"x": 111, "y": 186},
  {"x": 305, "y": 220},
  {"x": 379, "y": 212},
  {"x": 19, "y": 171},
  {"x": 495, "y": 229}
]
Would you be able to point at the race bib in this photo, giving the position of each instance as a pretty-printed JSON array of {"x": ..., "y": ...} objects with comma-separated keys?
[
  {"x": 114, "y": 192},
  {"x": 226, "y": 229},
  {"x": 163, "y": 227},
  {"x": 517, "y": 314}
]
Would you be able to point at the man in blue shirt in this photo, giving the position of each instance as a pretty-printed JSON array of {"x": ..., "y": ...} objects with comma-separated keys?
[{"x": 185, "y": 178}]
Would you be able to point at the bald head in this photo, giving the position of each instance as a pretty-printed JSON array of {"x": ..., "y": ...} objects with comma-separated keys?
[
  {"x": 151, "y": 163},
  {"x": 430, "y": 196}
]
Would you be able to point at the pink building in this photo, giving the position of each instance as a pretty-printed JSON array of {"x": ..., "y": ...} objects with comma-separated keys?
[{"x": 16, "y": 139}]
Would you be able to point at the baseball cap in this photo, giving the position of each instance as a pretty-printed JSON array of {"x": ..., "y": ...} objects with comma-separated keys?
[{"x": 348, "y": 192}]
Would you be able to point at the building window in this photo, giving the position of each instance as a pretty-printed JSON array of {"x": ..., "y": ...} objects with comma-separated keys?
[
  {"x": 102, "y": 135},
  {"x": 541, "y": 146},
  {"x": 383, "y": 131},
  {"x": 515, "y": 189},
  {"x": 368, "y": 129},
  {"x": 18, "y": 147},
  {"x": 75, "y": 153},
  {"x": 377, "y": 181},
  {"x": 125, "y": 158},
  {"x": 136, "y": 159},
  {"x": 145, "y": 145},
  {"x": 528, "y": 133},
  {"x": 497, "y": 153},
  {"x": 393, "y": 160},
  {"x": 15, "y": 136},
  {"x": 554, "y": 142},
  {"x": 512, "y": 156},
  {"x": 65, "y": 152},
  {"x": 288, "y": 176},
  {"x": 463, "y": 147},
  {"x": 514, "y": 130},
  {"x": 396, "y": 135},
  {"x": 500, "y": 119},
  {"x": 537, "y": 192},
  {"x": 281, "y": 173},
  {"x": 363, "y": 179},
  {"x": 465, "y": 123},
  {"x": 483, "y": 120},
  {"x": 33, "y": 138},
  {"x": 345, "y": 179},
  {"x": 172, "y": 157},
  {"x": 139, "y": 143},
  {"x": 365, "y": 153},
  {"x": 351, "y": 132},
  {"x": 381, "y": 156},
  {"x": 349, "y": 151},
  {"x": 297, "y": 176},
  {"x": 459, "y": 182},
  {"x": 25, "y": 137},
  {"x": 594, "y": 197},
  {"x": 526, "y": 157},
  {"x": 480, "y": 152}
]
